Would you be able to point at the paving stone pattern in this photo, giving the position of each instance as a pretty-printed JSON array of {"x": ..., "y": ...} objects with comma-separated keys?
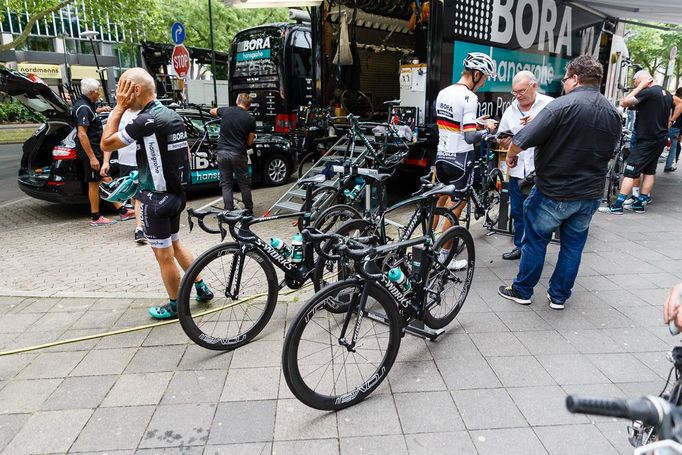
[{"x": 495, "y": 383}]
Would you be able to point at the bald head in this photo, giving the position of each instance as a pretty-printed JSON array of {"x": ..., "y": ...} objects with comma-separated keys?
[
  {"x": 640, "y": 76},
  {"x": 145, "y": 88}
]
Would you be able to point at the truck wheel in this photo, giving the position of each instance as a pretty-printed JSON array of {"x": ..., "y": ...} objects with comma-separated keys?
[{"x": 276, "y": 170}]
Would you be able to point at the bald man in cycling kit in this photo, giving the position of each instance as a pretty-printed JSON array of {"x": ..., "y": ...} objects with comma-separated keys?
[
  {"x": 164, "y": 172},
  {"x": 459, "y": 129}
]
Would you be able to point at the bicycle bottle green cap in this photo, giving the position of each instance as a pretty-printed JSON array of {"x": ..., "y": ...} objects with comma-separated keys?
[{"x": 395, "y": 274}]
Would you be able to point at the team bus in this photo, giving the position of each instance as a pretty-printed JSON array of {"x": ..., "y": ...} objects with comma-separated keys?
[{"x": 410, "y": 51}]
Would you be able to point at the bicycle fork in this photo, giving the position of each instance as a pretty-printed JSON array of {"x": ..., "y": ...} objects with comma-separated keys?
[
  {"x": 234, "y": 278},
  {"x": 350, "y": 346}
]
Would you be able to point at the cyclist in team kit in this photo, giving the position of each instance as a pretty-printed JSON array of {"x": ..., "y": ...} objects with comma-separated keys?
[
  {"x": 459, "y": 129},
  {"x": 164, "y": 172}
]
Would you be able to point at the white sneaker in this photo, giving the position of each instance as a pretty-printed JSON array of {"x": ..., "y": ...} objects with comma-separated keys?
[
  {"x": 459, "y": 264},
  {"x": 629, "y": 200}
]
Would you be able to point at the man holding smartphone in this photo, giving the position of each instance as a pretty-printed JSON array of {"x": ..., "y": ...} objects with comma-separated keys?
[{"x": 526, "y": 105}]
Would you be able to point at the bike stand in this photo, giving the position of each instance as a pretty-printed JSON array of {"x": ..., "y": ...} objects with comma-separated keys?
[{"x": 417, "y": 328}]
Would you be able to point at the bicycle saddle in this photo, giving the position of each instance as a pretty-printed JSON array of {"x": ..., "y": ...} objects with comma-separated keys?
[
  {"x": 450, "y": 190},
  {"x": 380, "y": 178},
  {"x": 315, "y": 180}
]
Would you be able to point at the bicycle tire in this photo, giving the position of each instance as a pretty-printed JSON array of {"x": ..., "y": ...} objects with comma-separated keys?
[
  {"x": 491, "y": 198},
  {"x": 333, "y": 217},
  {"x": 305, "y": 164},
  {"x": 439, "y": 276},
  {"x": 326, "y": 269},
  {"x": 372, "y": 358},
  {"x": 323, "y": 197},
  {"x": 614, "y": 178},
  {"x": 197, "y": 324}
]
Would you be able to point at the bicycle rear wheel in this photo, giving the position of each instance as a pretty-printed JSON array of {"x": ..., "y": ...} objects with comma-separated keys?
[
  {"x": 450, "y": 277},
  {"x": 319, "y": 370},
  {"x": 226, "y": 322},
  {"x": 614, "y": 178},
  {"x": 333, "y": 217},
  {"x": 491, "y": 198}
]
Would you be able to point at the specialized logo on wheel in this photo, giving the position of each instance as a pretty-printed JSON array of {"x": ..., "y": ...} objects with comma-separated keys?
[
  {"x": 224, "y": 341},
  {"x": 371, "y": 382},
  {"x": 317, "y": 308}
]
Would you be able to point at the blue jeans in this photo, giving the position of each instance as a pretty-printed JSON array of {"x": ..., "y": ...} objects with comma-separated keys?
[
  {"x": 516, "y": 199},
  {"x": 543, "y": 215},
  {"x": 673, "y": 133}
]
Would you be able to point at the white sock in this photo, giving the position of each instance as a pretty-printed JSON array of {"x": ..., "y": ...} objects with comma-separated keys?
[
  {"x": 443, "y": 255},
  {"x": 635, "y": 191}
]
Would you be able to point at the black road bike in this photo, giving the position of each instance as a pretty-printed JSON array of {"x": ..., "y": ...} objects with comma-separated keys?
[
  {"x": 242, "y": 276},
  {"x": 614, "y": 174},
  {"x": 344, "y": 340},
  {"x": 426, "y": 219}
]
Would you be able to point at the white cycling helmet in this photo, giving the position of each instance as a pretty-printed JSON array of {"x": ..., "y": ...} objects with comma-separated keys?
[
  {"x": 480, "y": 62},
  {"x": 121, "y": 189}
]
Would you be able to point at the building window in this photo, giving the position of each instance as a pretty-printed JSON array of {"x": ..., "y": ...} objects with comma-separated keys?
[
  {"x": 77, "y": 46},
  {"x": 37, "y": 43}
]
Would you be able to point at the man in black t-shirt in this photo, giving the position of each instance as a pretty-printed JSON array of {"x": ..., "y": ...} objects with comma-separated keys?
[
  {"x": 653, "y": 106},
  {"x": 237, "y": 132}
]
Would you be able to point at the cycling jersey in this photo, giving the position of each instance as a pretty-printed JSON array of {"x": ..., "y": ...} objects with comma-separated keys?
[
  {"x": 456, "y": 110},
  {"x": 162, "y": 151}
]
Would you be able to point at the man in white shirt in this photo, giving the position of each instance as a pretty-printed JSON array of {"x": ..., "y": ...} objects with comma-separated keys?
[
  {"x": 526, "y": 105},
  {"x": 127, "y": 163}
]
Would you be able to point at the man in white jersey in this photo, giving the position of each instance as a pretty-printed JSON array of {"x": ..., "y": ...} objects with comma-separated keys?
[
  {"x": 458, "y": 131},
  {"x": 526, "y": 105},
  {"x": 127, "y": 163}
]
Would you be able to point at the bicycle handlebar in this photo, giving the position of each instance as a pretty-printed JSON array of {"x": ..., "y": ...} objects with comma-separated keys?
[
  {"x": 650, "y": 410},
  {"x": 200, "y": 220}
]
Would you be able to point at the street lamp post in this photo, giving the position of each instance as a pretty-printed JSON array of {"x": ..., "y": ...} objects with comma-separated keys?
[
  {"x": 210, "y": 21},
  {"x": 67, "y": 69},
  {"x": 89, "y": 35}
]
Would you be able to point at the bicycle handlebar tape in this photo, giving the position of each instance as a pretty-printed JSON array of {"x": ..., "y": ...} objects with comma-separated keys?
[{"x": 643, "y": 409}]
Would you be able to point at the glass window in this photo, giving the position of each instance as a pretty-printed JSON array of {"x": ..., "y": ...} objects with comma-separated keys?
[{"x": 37, "y": 43}]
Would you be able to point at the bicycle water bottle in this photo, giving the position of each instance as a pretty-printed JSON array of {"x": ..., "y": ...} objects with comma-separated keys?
[
  {"x": 280, "y": 246},
  {"x": 398, "y": 277},
  {"x": 297, "y": 248}
]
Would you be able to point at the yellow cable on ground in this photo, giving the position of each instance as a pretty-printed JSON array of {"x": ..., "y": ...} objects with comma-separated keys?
[{"x": 142, "y": 327}]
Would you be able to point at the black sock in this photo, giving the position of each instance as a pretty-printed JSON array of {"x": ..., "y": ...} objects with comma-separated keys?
[
  {"x": 173, "y": 303},
  {"x": 122, "y": 210},
  {"x": 95, "y": 216}
]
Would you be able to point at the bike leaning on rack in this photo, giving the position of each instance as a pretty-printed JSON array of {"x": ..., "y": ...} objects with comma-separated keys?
[
  {"x": 614, "y": 174},
  {"x": 242, "y": 274},
  {"x": 334, "y": 359}
]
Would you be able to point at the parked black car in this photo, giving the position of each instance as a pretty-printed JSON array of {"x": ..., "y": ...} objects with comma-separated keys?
[{"x": 51, "y": 169}]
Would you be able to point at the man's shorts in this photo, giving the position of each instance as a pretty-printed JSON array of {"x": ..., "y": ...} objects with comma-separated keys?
[
  {"x": 125, "y": 170},
  {"x": 456, "y": 170},
  {"x": 643, "y": 159},
  {"x": 89, "y": 174},
  {"x": 160, "y": 216}
]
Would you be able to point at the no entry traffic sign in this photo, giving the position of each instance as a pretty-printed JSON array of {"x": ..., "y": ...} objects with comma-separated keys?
[{"x": 181, "y": 60}]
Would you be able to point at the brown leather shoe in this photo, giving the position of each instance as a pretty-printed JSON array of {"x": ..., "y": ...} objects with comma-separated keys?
[{"x": 513, "y": 255}]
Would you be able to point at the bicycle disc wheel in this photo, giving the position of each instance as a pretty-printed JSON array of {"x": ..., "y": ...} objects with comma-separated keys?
[
  {"x": 324, "y": 374},
  {"x": 491, "y": 198},
  {"x": 333, "y": 217},
  {"x": 328, "y": 271},
  {"x": 226, "y": 322},
  {"x": 450, "y": 277}
]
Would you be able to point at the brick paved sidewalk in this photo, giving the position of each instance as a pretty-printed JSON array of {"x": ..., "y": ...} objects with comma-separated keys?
[{"x": 493, "y": 384}]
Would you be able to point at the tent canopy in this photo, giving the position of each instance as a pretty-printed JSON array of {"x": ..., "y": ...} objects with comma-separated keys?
[{"x": 667, "y": 11}]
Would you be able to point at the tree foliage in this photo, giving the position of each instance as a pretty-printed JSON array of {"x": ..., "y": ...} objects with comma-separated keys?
[
  {"x": 128, "y": 14},
  {"x": 194, "y": 15},
  {"x": 650, "y": 48}
]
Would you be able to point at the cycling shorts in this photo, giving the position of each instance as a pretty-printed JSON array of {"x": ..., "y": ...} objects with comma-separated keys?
[
  {"x": 456, "y": 169},
  {"x": 160, "y": 216}
]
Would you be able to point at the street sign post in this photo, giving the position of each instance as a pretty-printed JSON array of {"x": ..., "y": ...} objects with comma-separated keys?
[{"x": 181, "y": 60}]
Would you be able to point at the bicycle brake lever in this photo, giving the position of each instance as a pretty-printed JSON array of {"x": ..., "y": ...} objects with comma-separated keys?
[
  {"x": 223, "y": 231},
  {"x": 190, "y": 222}
]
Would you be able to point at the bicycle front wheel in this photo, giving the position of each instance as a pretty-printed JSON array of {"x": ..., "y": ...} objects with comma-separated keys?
[
  {"x": 320, "y": 370},
  {"x": 450, "y": 277},
  {"x": 245, "y": 295}
]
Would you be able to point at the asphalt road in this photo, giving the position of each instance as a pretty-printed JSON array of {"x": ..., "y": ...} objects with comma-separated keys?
[{"x": 10, "y": 156}]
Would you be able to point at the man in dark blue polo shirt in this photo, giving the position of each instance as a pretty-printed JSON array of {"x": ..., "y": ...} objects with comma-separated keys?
[{"x": 574, "y": 136}]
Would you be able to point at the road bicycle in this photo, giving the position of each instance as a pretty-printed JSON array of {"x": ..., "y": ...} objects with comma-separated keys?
[
  {"x": 242, "y": 276},
  {"x": 375, "y": 222},
  {"x": 482, "y": 193},
  {"x": 614, "y": 174},
  {"x": 344, "y": 340}
]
